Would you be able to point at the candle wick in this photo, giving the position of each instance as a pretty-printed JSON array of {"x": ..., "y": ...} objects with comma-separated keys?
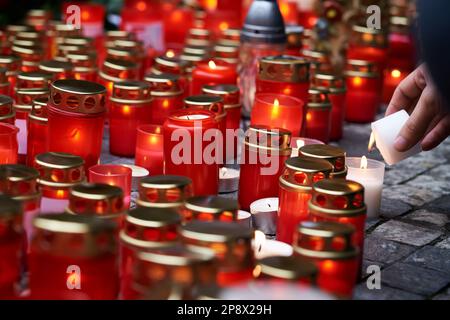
[
  {"x": 188, "y": 117},
  {"x": 259, "y": 248},
  {"x": 269, "y": 205}
]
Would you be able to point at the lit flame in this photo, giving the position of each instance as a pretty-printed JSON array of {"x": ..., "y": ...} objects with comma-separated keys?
[
  {"x": 300, "y": 143},
  {"x": 223, "y": 26},
  {"x": 60, "y": 194},
  {"x": 276, "y": 103},
  {"x": 257, "y": 271},
  {"x": 85, "y": 15},
  {"x": 357, "y": 81},
  {"x": 371, "y": 142},
  {"x": 170, "y": 54},
  {"x": 260, "y": 240},
  {"x": 363, "y": 164},
  {"x": 126, "y": 109},
  {"x": 396, "y": 73},
  {"x": 158, "y": 130},
  {"x": 141, "y": 6},
  {"x": 165, "y": 104},
  {"x": 211, "y": 64}
]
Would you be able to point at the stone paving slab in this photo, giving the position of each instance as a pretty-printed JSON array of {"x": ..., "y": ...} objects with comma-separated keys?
[
  {"x": 391, "y": 208},
  {"x": 385, "y": 293},
  {"x": 431, "y": 258},
  {"x": 385, "y": 251},
  {"x": 428, "y": 218}
]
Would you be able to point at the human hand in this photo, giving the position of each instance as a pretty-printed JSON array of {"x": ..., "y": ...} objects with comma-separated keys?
[{"x": 430, "y": 117}]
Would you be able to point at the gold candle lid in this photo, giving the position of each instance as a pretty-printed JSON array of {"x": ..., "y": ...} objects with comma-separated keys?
[
  {"x": 39, "y": 109},
  {"x": 119, "y": 69},
  {"x": 284, "y": 68},
  {"x": 18, "y": 181},
  {"x": 208, "y": 208},
  {"x": 267, "y": 138},
  {"x": 82, "y": 60},
  {"x": 302, "y": 172},
  {"x": 175, "y": 65},
  {"x": 193, "y": 50},
  {"x": 164, "y": 84},
  {"x": 6, "y": 107},
  {"x": 231, "y": 34},
  {"x": 325, "y": 240},
  {"x": 10, "y": 62},
  {"x": 92, "y": 236},
  {"x": 98, "y": 199},
  {"x": 151, "y": 227},
  {"x": 338, "y": 197},
  {"x": 164, "y": 191},
  {"x": 316, "y": 56},
  {"x": 361, "y": 68},
  {"x": 197, "y": 33},
  {"x": 25, "y": 98},
  {"x": 36, "y": 36},
  {"x": 334, "y": 155},
  {"x": 32, "y": 53},
  {"x": 177, "y": 255},
  {"x": 205, "y": 102},
  {"x": 131, "y": 92},
  {"x": 55, "y": 66},
  {"x": 227, "y": 53},
  {"x": 399, "y": 24},
  {"x": 33, "y": 79},
  {"x": 318, "y": 99},
  {"x": 60, "y": 170},
  {"x": 335, "y": 84},
  {"x": 287, "y": 268},
  {"x": 78, "y": 96},
  {"x": 370, "y": 37},
  {"x": 228, "y": 92},
  {"x": 78, "y": 40}
]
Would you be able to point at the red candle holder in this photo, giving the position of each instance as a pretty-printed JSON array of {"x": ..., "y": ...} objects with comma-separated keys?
[
  {"x": 67, "y": 253},
  {"x": 109, "y": 41},
  {"x": 225, "y": 52},
  {"x": 167, "y": 96},
  {"x": 296, "y": 183},
  {"x": 20, "y": 183},
  {"x": 144, "y": 229},
  {"x": 401, "y": 49},
  {"x": 334, "y": 155},
  {"x": 85, "y": 66},
  {"x": 128, "y": 50},
  {"x": 75, "y": 119},
  {"x": 335, "y": 85},
  {"x": 169, "y": 63},
  {"x": 164, "y": 191},
  {"x": 364, "y": 91},
  {"x": 183, "y": 18},
  {"x": 264, "y": 153},
  {"x": 7, "y": 113},
  {"x": 320, "y": 61},
  {"x": 33, "y": 80},
  {"x": 183, "y": 270},
  {"x": 210, "y": 208},
  {"x": 279, "y": 111},
  {"x": 292, "y": 268},
  {"x": 219, "y": 20},
  {"x": 92, "y": 17},
  {"x": 232, "y": 244},
  {"x": 289, "y": 11},
  {"x": 58, "y": 173},
  {"x": 11, "y": 237},
  {"x": 117, "y": 71},
  {"x": 342, "y": 201},
  {"x": 193, "y": 162},
  {"x": 13, "y": 66},
  {"x": 212, "y": 72},
  {"x": 318, "y": 115},
  {"x": 37, "y": 129},
  {"x": 114, "y": 175},
  {"x": 38, "y": 18},
  {"x": 294, "y": 34},
  {"x": 30, "y": 57},
  {"x": 307, "y": 16},
  {"x": 130, "y": 107},
  {"x": 8, "y": 143},
  {"x": 150, "y": 148},
  {"x": 4, "y": 84},
  {"x": 57, "y": 32},
  {"x": 58, "y": 69},
  {"x": 328, "y": 245}
]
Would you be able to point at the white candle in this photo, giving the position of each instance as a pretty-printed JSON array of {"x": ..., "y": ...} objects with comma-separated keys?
[
  {"x": 371, "y": 175},
  {"x": 264, "y": 215},
  {"x": 137, "y": 173},
  {"x": 264, "y": 248},
  {"x": 228, "y": 180},
  {"x": 245, "y": 218},
  {"x": 385, "y": 131}
]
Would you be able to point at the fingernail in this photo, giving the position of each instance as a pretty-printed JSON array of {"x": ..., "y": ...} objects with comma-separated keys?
[{"x": 400, "y": 143}]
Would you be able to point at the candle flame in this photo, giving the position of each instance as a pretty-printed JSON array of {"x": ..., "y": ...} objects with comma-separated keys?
[
  {"x": 141, "y": 6},
  {"x": 126, "y": 109},
  {"x": 170, "y": 54},
  {"x": 276, "y": 103},
  {"x": 363, "y": 164},
  {"x": 212, "y": 64},
  {"x": 396, "y": 73},
  {"x": 357, "y": 81},
  {"x": 223, "y": 26},
  {"x": 158, "y": 130},
  {"x": 300, "y": 143},
  {"x": 165, "y": 103},
  {"x": 371, "y": 144},
  {"x": 260, "y": 239}
]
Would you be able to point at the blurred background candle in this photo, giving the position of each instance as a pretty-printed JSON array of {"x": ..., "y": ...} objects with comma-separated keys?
[
  {"x": 264, "y": 215},
  {"x": 130, "y": 107},
  {"x": 113, "y": 70},
  {"x": 210, "y": 208},
  {"x": 370, "y": 173},
  {"x": 4, "y": 84},
  {"x": 291, "y": 268},
  {"x": 228, "y": 180},
  {"x": 11, "y": 246},
  {"x": 337, "y": 264},
  {"x": 12, "y": 64},
  {"x": 7, "y": 113},
  {"x": 194, "y": 123},
  {"x": 150, "y": 148},
  {"x": 264, "y": 248},
  {"x": 295, "y": 35},
  {"x": 172, "y": 64},
  {"x": 212, "y": 72},
  {"x": 183, "y": 18},
  {"x": 298, "y": 142},
  {"x": 244, "y": 218},
  {"x": 37, "y": 129},
  {"x": 278, "y": 111},
  {"x": 58, "y": 172},
  {"x": 58, "y": 69},
  {"x": 318, "y": 115},
  {"x": 299, "y": 175},
  {"x": 8, "y": 143},
  {"x": 114, "y": 175}
]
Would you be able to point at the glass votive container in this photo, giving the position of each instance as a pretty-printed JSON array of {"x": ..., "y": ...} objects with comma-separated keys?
[
  {"x": 58, "y": 69},
  {"x": 73, "y": 252},
  {"x": 12, "y": 64},
  {"x": 8, "y": 143},
  {"x": 33, "y": 80},
  {"x": 172, "y": 64},
  {"x": 212, "y": 72},
  {"x": 150, "y": 148},
  {"x": 7, "y": 113},
  {"x": 369, "y": 173},
  {"x": 4, "y": 84},
  {"x": 114, "y": 175},
  {"x": 37, "y": 129},
  {"x": 318, "y": 115},
  {"x": 210, "y": 208},
  {"x": 334, "y": 155}
]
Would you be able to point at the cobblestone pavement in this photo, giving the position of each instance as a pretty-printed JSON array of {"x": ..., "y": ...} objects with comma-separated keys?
[{"x": 410, "y": 241}]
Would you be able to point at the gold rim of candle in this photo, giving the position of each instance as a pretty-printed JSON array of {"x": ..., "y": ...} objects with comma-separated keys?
[
  {"x": 153, "y": 217},
  {"x": 17, "y": 172},
  {"x": 212, "y": 204},
  {"x": 143, "y": 243},
  {"x": 178, "y": 255},
  {"x": 165, "y": 182},
  {"x": 215, "y": 231},
  {"x": 288, "y": 268},
  {"x": 96, "y": 191},
  {"x": 55, "y": 66},
  {"x": 72, "y": 223},
  {"x": 325, "y": 212}
]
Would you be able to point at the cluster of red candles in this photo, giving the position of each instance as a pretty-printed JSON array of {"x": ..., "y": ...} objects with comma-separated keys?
[{"x": 166, "y": 98}]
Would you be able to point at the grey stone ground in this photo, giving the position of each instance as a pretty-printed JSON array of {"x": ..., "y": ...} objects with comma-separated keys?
[{"x": 411, "y": 239}]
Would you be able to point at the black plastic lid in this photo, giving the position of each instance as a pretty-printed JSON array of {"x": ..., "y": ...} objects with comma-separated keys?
[{"x": 264, "y": 23}]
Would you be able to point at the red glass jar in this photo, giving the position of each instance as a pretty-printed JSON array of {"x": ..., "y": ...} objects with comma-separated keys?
[
  {"x": 190, "y": 158},
  {"x": 170, "y": 63},
  {"x": 231, "y": 243},
  {"x": 150, "y": 148},
  {"x": 130, "y": 107},
  {"x": 58, "y": 172},
  {"x": 294, "y": 34},
  {"x": 167, "y": 96},
  {"x": 292, "y": 268},
  {"x": 212, "y": 72},
  {"x": 328, "y": 245},
  {"x": 20, "y": 183},
  {"x": 58, "y": 69},
  {"x": 264, "y": 153},
  {"x": 334, "y": 155},
  {"x": 232, "y": 106},
  {"x": 75, "y": 118},
  {"x": 37, "y": 129},
  {"x": 335, "y": 85},
  {"x": 320, "y": 61},
  {"x": 144, "y": 229},
  {"x": 296, "y": 183},
  {"x": 210, "y": 208},
  {"x": 279, "y": 111},
  {"x": 68, "y": 252},
  {"x": 164, "y": 191},
  {"x": 134, "y": 54},
  {"x": 364, "y": 91},
  {"x": 84, "y": 66},
  {"x": 318, "y": 115},
  {"x": 7, "y": 113},
  {"x": 13, "y": 66},
  {"x": 11, "y": 237},
  {"x": 30, "y": 56},
  {"x": 56, "y": 34},
  {"x": 4, "y": 84},
  {"x": 33, "y": 80},
  {"x": 183, "y": 18},
  {"x": 8, "y": 143},
  {"x": 116, "y": 71},
  {"x": 342, "y": 201}
]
